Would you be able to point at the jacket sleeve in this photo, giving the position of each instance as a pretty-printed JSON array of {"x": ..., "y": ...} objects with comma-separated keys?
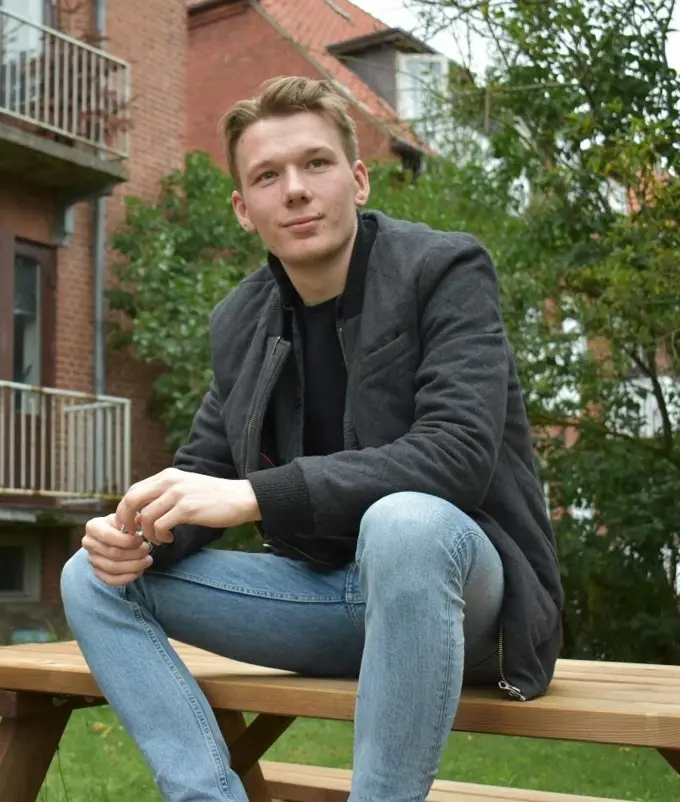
[
  {"x": 206, "y": 451},
  {"x": 452, "y": 448}
]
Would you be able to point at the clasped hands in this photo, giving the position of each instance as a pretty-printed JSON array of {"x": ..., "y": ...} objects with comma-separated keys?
[{"x": 153, "y": 507}]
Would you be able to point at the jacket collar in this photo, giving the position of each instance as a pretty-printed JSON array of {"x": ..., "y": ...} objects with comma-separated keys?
[{"x": 352, "y": 299}]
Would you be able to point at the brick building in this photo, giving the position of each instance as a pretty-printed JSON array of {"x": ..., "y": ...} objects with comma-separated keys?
[
  {"x": 99, "y": 100},
  {"x": 92, "y": 107},
  {"x": 385, "y": 73}
]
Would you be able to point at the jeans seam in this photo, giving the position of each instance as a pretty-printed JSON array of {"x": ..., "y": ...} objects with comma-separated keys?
[
  {"x": 351, "y": 606},
  {"x": 220, "y": 768},
  {"x": 200, "y": 580},
  {"x": 432, "y": 761}
]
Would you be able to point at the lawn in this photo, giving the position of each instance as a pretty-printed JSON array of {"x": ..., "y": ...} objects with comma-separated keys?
[{"x": 97, "y": 762}]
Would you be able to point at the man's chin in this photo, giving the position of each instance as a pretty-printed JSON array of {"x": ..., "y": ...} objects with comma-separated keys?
[{"x": 310, "y": 252}]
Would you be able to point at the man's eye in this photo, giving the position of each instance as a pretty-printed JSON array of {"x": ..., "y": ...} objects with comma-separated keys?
[
  {"x": 318, "y": 162},
  {"x": 266, "y": 176}
]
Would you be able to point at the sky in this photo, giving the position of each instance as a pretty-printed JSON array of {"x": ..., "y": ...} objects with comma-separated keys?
[{"x": 396, "y": 15}]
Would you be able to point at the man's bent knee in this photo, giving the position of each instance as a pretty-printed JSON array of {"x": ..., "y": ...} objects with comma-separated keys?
[
  {"x": 78, "y": 583},
  {"x": 410, "y": 528}
]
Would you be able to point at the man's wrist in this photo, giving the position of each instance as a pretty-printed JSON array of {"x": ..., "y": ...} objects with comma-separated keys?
[{"x": 251, "y": 508}]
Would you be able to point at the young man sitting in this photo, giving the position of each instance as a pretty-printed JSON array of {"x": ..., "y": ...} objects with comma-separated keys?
[{"x": 365, "y": 411}]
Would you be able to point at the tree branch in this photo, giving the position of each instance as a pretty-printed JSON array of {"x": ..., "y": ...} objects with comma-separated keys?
[{"x": 652, "y": 375}]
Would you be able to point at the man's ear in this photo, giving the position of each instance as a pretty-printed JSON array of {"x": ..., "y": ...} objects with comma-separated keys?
[
  {"x": 241, "y": 212},
  {"x": 362, "y": 183}
]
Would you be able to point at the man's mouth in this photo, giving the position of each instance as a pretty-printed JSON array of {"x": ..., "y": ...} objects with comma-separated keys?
[{"x": 304, "y": 220}]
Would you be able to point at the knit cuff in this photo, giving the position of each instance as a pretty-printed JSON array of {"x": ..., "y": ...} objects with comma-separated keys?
[{"x": 284, "y": 502}]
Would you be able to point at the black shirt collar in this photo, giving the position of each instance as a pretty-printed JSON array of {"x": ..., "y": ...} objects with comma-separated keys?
[{"x": 352, "y": 298}]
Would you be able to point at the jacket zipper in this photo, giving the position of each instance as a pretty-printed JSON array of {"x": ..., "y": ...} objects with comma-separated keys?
[
  {"x": 504, "y": 685},
  {"x": 341, "y": 340},
  {"x": 307, "y": 557},
  {"x": 349, "y": 437},
  {"x": 251, "y": 421}
]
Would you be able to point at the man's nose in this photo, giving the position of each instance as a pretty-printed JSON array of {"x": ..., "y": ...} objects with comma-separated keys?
[{"x": 295, "y": 187}]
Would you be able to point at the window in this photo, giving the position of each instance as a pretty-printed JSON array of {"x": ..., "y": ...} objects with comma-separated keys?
[
  {"x": 27, "y": 351},
  {"x": 27, "y": 311},
  {"x": 421, "y": 80},
  {"x": 21, "y": 39},
  {"x": 20, "y": 570},
  {"x": 642, "y": 416},
  {"x": 21, "y": 46}
]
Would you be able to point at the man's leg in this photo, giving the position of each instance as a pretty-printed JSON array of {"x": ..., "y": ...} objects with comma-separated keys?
[
  {"x": 257, "y": 608},
  {"x": 422, "y": 563}
]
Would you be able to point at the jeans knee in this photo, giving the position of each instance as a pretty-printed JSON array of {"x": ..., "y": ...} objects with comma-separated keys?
[
  {"x": 403, "y": 531},
  {"x": 77, "y": 584}
]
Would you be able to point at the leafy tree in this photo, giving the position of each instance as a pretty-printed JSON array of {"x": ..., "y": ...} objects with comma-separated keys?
[
  {"x": 580, "y": 112},
  {"x": 180, "y": 255}
]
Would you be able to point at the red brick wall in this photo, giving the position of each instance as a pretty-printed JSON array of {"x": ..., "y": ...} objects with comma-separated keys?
[
  {"x": 232, "y": 50},
  {"x": 152, "y": 36},
  {"x": 27, "y": 211},
  {"x": 56, "y": 549}
]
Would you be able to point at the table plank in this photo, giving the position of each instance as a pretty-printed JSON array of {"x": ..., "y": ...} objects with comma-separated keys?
[{"x": 631, "y": 704}]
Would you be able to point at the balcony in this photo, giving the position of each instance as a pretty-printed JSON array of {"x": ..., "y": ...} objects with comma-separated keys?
[
  {"x": 59, "y": 447},
  {"x": 64, "y": 110}
]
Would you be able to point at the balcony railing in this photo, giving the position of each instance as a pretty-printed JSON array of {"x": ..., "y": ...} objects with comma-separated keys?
[
  {"x": 63, "y": 87},
  {"x": 63, "y": 444}
]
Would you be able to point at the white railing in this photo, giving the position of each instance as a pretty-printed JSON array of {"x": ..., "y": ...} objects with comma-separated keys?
[
  {"x": 62, "y": 443},
  {"x": 64, "y": 86}
]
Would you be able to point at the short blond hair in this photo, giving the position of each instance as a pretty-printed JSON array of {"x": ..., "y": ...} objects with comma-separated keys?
[{"x": 280, "y": 97}]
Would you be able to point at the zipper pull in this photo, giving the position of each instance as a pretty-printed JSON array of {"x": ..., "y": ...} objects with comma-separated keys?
[{"x": 512, "y": 690}]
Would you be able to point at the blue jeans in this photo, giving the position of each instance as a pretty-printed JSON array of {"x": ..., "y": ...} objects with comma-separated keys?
[{"x": 417, "y": 608}]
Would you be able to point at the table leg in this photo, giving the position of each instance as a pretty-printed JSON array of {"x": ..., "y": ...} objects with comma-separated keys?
[
  {"x": 673, "y": 757},
  {"x": 27, "y": 746},
  {"x": 249, "y": 747},
  {"x": 247, "y": 744}
]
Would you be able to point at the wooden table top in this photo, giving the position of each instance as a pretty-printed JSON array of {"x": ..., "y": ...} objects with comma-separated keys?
[{"x": 620, "y": 703}]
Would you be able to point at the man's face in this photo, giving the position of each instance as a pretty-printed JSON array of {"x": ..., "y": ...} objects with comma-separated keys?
[{"x": 298, "y": 190}]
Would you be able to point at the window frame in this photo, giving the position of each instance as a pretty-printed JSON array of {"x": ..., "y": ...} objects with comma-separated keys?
[
  {"x": 402, "y": 76},
  {"x": 32, "y": 579},
  {"x": 45, "y": 255}
]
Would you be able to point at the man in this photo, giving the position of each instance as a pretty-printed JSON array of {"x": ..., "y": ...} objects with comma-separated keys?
[{"x": 365, "y": 411}]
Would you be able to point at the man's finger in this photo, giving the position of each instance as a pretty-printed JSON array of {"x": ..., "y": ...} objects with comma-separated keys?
[
  {"x": 115, "y": 581},
  {"x": 119, "y": 567},
  {"x": 103, "y": 532},
  {"x": 150, "y": 515},
  {"x": 116, "y": 553},
  {"x": 138, "y": 496},
  {"x": 172, "y": 518}
]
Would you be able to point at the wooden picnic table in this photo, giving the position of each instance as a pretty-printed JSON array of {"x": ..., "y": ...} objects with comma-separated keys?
[{"x": 614, "y": 703}]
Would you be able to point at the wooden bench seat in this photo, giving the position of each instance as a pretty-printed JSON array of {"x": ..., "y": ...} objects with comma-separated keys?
[
  {"x": 296, "y": 783},
  {"x": 610, "y": 703}
]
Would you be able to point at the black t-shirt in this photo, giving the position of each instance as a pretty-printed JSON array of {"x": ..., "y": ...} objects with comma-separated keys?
[
  {"x": 325, "y": 374},
  {"x": 325, "y": 379}
]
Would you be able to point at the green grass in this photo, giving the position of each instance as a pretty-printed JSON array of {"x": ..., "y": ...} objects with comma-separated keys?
[{"x": 98, "y": 762}]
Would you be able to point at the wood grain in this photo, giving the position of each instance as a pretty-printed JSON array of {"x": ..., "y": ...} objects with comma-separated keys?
[
  {"x": 320, "y": 784},
  {"x": 619, "y": 703},
  {"x": 233, "y": 726},
  {"x": 26, "y": 751}
]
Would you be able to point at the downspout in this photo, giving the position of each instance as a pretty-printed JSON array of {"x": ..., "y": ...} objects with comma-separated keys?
[
  {"x": 99, "y": 253},
  {"x": 99, "y": 287}
]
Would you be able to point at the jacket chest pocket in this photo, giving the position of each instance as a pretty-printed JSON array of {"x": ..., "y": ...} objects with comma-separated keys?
[{"x": 385, "y": 405}]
